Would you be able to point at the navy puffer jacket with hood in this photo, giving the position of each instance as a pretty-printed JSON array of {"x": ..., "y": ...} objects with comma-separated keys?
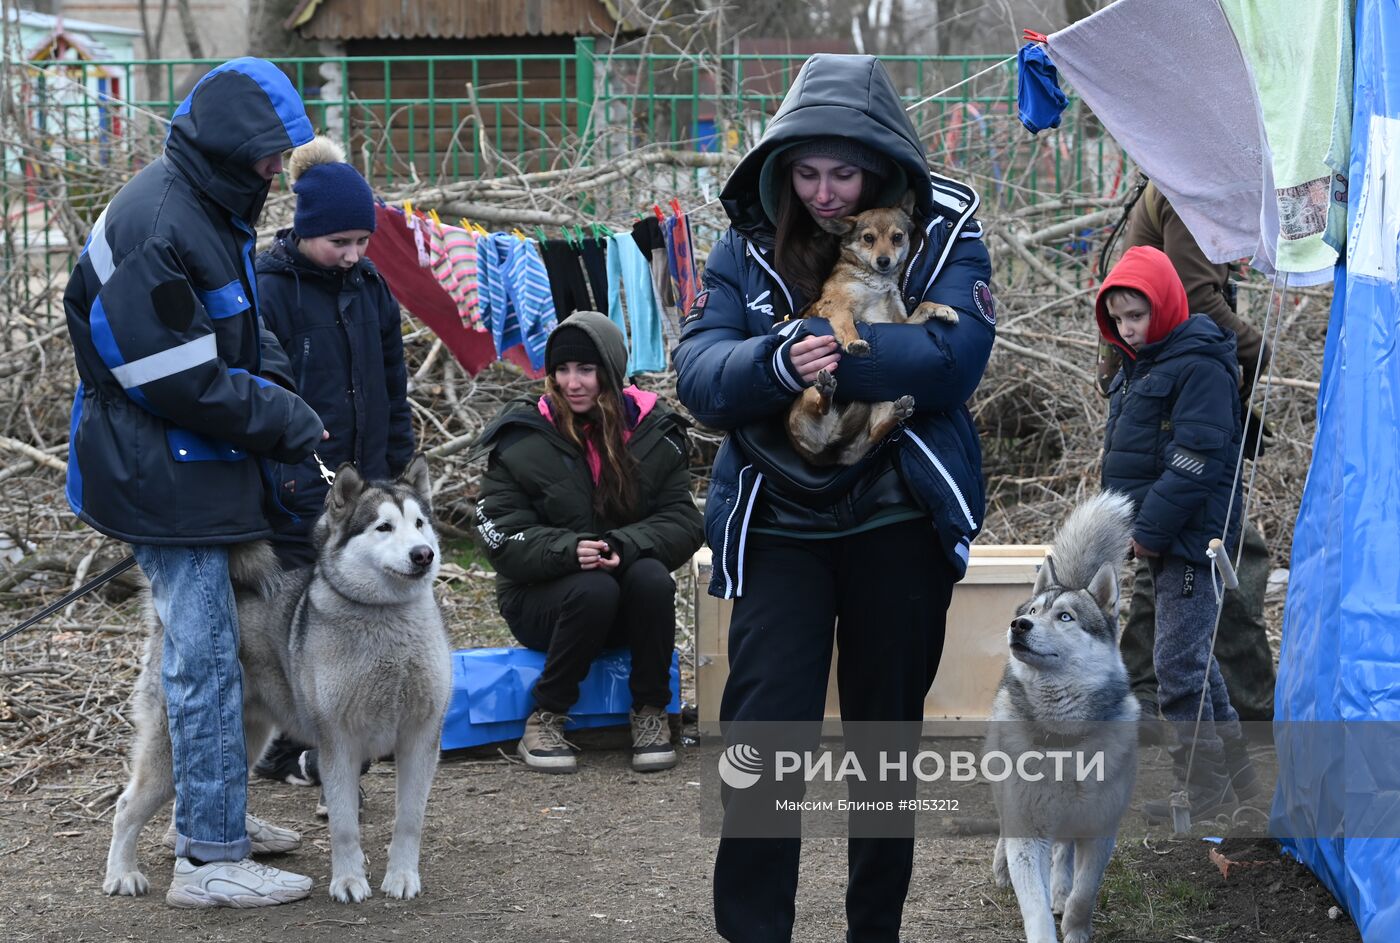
[
  {"x": 177, "y": 411},
  {"x": 342, "y": 332},
  {"x": 733, "y": 359},
  {"x": 1173, "y": 435}
]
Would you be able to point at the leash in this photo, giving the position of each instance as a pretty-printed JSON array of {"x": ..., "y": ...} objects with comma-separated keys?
[
  {"x": 327, "y": 475},
  {"x": 111, "y": 573}
]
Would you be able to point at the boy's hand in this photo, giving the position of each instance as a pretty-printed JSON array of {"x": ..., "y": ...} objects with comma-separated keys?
[{"x": 1142, "y": 552}]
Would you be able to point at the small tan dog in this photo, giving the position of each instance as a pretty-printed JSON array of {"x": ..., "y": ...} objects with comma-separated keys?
[{"x": 864, "y": 286}]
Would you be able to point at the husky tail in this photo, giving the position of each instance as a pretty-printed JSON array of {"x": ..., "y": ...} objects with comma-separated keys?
[
  {"x": 253, "y": 567},
  {"x": 1096, "y": 532}
]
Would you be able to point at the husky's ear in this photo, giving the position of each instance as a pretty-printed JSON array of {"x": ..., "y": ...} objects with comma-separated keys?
[
  {"x": 347, "y": 487},
  {"x": 1104, "y": 589},
  {"x": 416, "y": 477},
  {"x": 1046, "y": 577},
  {"x": 907, "y": 203},
  {"x": 839, "y": 226}
]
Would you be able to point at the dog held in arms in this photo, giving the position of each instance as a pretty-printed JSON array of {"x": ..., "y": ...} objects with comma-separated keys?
[
  {"x": 863, "y": 286},
  {"x": 1065, "y": 689},
  {"x": 350, "y": 655}
]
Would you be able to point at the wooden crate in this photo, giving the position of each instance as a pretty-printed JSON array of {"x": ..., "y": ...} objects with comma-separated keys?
[{"x": 999, "y": 578}]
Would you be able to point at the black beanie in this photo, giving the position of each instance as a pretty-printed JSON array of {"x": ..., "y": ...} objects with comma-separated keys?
[{"x": 570, "y": 343}]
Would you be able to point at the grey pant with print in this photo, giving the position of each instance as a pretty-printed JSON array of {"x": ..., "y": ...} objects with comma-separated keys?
[{"x": 1181, "y": 654}]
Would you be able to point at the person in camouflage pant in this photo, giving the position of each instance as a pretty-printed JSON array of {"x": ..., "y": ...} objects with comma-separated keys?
[{"x": 1241, "y": 645}]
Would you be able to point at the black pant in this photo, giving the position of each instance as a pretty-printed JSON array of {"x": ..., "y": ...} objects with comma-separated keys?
[
  {"x": 572, "y": 619},
  {"x": 882, "y": 596}
]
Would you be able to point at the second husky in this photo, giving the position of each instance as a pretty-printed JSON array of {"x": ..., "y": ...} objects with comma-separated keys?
[
  {"x": 350, "y": 655},
  {"x": 1065, "y": 688}
]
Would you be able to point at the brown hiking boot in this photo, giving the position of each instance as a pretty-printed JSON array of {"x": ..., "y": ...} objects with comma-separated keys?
[
  {"x": 651, "y": 740},
  {"x": 543, "y": 746}
]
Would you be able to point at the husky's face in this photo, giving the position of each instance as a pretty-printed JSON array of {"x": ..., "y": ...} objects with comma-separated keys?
[
  {"x": 1059, "y": 629},
  {"x": 376, "y": 539}
]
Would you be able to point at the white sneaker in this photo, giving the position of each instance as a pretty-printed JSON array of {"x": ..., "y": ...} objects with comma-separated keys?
[
  {"x": 267, "y": 839},
  {"x": 243, "y": 883}
]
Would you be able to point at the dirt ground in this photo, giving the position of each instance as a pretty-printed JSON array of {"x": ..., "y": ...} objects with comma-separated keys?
[
  {"x": 607, "y": 855},
  {"x": 508, "y": 855}
]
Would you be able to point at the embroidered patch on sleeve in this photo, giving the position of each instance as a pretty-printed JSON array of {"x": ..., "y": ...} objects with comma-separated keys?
[
  {"x": 982, "y": 298},
  {"x": 697, "y": 310}
]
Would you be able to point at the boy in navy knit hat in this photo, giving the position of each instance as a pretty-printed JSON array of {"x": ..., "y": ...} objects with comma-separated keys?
[{"x": 340, "y": 326}]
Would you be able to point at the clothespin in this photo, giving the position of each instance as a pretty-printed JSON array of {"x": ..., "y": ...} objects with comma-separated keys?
[
  {"x": 539, "y": 235},
  {"x": 676, "y": 206},
  {"x": 660, "y": 216},
  {"x": 463, "y": 224},
  {"x": 436, "y": 219},
  {"x": 1031, "y": 36},
  {"x": 518, "y": 234},
  {"x": 408, "y": 207},
  {"x": 600, "y": 231}
]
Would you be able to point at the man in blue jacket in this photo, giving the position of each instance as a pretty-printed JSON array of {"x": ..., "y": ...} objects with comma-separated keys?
[{"x": 182, "y": 400}]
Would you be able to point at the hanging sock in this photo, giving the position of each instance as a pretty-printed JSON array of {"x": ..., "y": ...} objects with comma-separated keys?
[{"x": 1039, "y": 101}]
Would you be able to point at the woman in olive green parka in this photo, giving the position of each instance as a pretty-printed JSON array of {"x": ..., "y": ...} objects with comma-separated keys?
[{"x": 585, "y": 510}]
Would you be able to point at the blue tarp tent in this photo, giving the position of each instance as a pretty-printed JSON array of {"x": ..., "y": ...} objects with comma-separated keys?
[{"x": 1340, "y": 663}]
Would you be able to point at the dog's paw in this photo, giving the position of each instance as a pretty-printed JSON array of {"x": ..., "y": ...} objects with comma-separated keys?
[
  {"x": 350, "y": 889},
  {"x": 1001, "y": 873},
  {"x": 904, "y": 407},
  {"x": 1076, "y": 936},
  {"x": 825, "y": 383},
  {"x": 858, "y": 348},
  {"x": 402, "y": 884},
  {"x": 127, "y": 884},
  {"x": 1057, "y": 903},
  {"x": 928, "y": 311}
]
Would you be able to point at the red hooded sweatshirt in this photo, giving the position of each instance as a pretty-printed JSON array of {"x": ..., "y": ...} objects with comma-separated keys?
[{"x": 1149, "y": 271}]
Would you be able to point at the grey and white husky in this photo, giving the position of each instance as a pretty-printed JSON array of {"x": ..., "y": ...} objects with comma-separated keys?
[
  {"x": 1065, "y": 689},
  {"x": 350, "y": 655}
]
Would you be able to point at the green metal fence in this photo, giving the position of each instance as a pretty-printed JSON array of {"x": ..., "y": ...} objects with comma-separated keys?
[{"x": 440, "y": 118}]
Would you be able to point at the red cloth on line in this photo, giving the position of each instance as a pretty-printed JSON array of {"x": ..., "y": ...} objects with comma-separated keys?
[{"x": 393, "y": 252}]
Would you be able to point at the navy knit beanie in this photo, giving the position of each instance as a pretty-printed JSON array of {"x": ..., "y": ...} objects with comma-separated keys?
[{"x": 331, "y": 195}]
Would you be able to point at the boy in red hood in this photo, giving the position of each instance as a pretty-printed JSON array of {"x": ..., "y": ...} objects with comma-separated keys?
[{"x": 1172, "y": 444}]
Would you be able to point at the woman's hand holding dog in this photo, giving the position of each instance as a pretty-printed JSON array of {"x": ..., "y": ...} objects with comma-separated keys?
[
  {"x": 812, "y": 355},
  {"x": 596, "y": 554}
]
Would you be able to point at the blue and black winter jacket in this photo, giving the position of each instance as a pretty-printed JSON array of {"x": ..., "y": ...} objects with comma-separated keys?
[
  {"x": 1173, "y": 438},
  {"x": 175, "y": 410},
  {"x": 733, "y": 362},
  {"x": 342, "y": 334}
]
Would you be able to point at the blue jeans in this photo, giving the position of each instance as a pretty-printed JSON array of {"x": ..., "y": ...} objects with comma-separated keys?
[{"x": 203, "y": 697}]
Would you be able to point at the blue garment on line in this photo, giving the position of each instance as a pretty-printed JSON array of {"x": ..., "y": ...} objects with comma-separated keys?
[
  {"x": 630, "y": 272},
  {"x": 513, "y": 294},
  {"x": 1039, "y": 101}
]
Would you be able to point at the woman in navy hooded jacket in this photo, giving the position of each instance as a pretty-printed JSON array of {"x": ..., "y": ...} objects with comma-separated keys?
[{"x": 874, "y": 569}]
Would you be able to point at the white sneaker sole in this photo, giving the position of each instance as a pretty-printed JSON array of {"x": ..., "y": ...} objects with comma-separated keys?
[
  {"x": 654, "y": 762},
  {"x": 548, "y": 764},
  {"x": 193, "y": 897}
]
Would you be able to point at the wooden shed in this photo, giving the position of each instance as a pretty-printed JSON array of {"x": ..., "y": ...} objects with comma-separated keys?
[{"x": 425, "y": 73}]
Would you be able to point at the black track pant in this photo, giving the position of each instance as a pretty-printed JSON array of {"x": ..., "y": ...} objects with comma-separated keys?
[
  {"x": 882, "y": 596},
  {"x": 572, "y": 619}
]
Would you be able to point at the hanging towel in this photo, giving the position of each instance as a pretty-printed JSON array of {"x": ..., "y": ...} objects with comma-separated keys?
[
  {"x": 1201, "y": 140},
  {"x": 1039, "y": 101},
  {"x": 1294, "y": 51},
  {"x": 630, "y": 273}
]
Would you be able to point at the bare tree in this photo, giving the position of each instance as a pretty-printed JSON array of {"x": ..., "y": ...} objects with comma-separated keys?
[
  {"x": 267, "y": 34},
  {"x": 191, "y": 31}
]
